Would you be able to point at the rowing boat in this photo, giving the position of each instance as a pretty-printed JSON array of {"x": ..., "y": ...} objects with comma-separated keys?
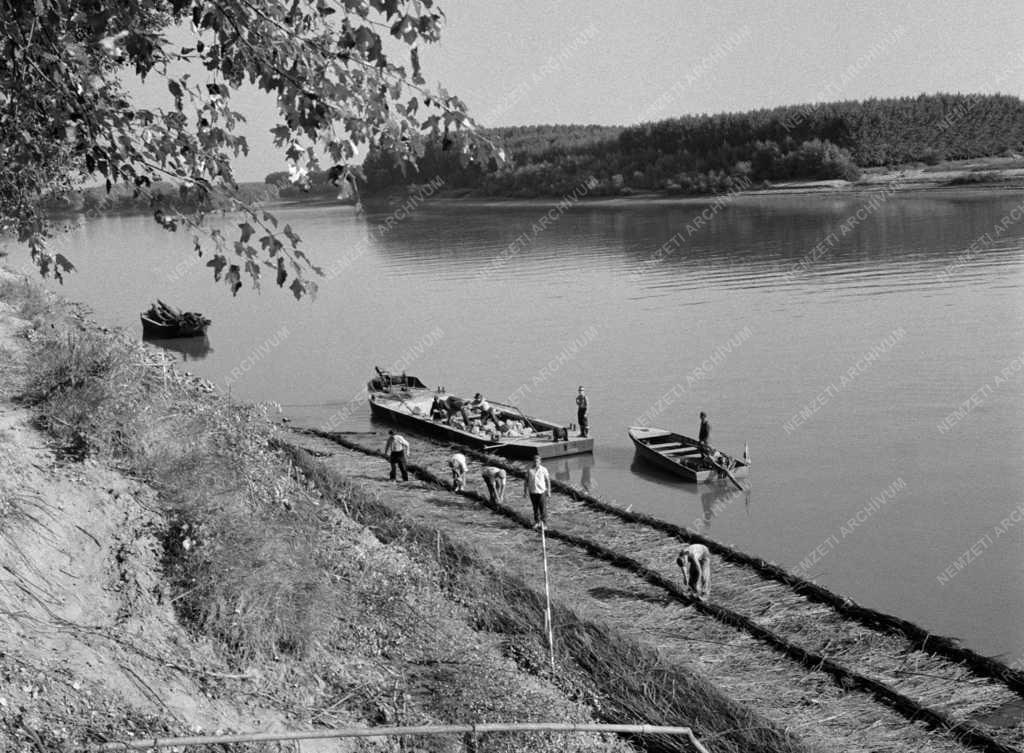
[
  {"x": 161, "y": 320},
  {"x": 404, "y": 399},
  {"x": 153, "y": 328},
  {"x": 681, "y": 455}
]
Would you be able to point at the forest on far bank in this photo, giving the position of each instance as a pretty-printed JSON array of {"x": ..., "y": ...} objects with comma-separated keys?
[{"x": 699, "y": 154}]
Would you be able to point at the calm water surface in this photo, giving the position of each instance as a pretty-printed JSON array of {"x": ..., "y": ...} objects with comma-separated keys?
[{"x": 588, "y": 301}]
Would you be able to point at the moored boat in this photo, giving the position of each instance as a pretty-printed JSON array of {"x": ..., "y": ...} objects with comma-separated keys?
[
  {"x": 153, "y": 328},
  {"x": 163, "y": 321},
  {"x": 681, "y": 455},
  {"x": 404, "y": 399}
]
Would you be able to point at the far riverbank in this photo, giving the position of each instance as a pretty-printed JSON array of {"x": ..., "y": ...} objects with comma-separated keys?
[{"x": 965, "y": 177}]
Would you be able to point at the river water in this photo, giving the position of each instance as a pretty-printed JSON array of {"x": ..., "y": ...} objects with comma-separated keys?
[{"x": 864, "y": 349}]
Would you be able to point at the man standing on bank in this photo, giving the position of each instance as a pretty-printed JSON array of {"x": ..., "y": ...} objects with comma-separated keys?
[
  {"x": 581, "y": 412},
  {"x": 538, "y": 487},
  {"x": 397, "y": 450},
  {"x": 705, "y": 435}
]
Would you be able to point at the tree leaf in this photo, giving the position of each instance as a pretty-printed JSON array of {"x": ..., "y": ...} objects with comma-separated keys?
[
  {"x": 234, "y": 278},
  {"x": 247, "y": 232},
  {"x": 253, "y": 270},
  {"x": 291, "y": 235},
  {"x": 218, "y": 262}
]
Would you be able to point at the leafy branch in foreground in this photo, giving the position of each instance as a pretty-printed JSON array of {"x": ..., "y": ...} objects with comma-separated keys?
[{"x": 66, "y": 119}]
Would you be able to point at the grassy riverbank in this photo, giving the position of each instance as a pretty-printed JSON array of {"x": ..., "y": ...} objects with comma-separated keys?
[
  {"x": 191, "y": 575},
  {"x": 626, "y": 681}
]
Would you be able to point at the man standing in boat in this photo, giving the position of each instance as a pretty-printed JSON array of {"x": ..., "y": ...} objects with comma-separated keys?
[
  {"x": 397, "y": 450},
  {"x": 538, "y": 487},
  {"x": 704, "y": 435},
  {"x": 581, "y": 411}
]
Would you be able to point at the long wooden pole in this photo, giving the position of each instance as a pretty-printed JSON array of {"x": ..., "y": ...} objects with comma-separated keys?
[
  {"x": 547, "y": 598},
  {"x": 445, "y": 729},
  {"x": 725, "y": 470}
]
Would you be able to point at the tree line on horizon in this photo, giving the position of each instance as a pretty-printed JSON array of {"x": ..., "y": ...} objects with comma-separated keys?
[{"x": 699, "y": 154}]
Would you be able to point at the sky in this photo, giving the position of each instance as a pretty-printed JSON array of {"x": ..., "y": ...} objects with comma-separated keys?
[{"x": 622, "y": 62}]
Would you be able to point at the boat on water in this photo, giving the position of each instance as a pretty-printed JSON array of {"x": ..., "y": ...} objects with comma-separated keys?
[
  {"x": 681, "y": 455},
  {"x": 163, "y": 321},
  {"x": 404, "y": 399}
]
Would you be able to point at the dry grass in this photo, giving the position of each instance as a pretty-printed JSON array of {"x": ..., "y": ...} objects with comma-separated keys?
[
  {"x": 32, "y": 302},
  {"x": 242, "y": 543}
]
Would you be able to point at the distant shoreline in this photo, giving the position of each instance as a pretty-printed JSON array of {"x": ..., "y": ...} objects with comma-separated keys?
[{"x": 969, "y": 177}]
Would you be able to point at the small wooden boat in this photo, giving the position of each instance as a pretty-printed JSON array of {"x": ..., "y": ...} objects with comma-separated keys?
[
  {"x": 681, "y": 455},
  {"x": 163, "y": 321},
  {"x": 404, "y": 399}
]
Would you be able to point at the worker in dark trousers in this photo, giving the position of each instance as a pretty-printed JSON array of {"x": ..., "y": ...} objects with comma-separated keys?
[
  {"x": 538, "y": 488},
  {"x": 581, "y": 411},
  {"x": 397, "y": 450},
  {"x": 705, "y": 435}
]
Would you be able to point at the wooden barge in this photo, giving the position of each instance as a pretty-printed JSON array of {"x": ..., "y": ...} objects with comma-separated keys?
[{"x": 406, "y": 400}]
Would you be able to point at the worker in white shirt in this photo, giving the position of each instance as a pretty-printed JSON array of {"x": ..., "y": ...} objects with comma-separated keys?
[
  {"x": 397, "y": 450},
  {"x": 457, "y": 462},
  {"x": 538, "y": 487}
]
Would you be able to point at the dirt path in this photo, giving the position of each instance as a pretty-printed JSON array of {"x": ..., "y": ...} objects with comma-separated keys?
[{"x": 805, "y": 700}]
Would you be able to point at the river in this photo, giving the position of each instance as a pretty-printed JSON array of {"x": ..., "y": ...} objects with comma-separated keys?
[{"x": 868, "y": 354}]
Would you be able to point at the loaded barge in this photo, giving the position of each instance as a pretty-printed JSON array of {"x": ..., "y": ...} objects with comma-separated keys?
[{"x": 404, "y": 399}]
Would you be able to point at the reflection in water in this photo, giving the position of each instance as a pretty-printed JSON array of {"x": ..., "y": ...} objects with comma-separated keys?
[
  {"x": 563, "y": 469},
  {"x": 761, "y": 242},
  {"x": 658, "y": 475},
  {"x": 715, "y": 499},
  {"x": 190, "y": 348}
]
